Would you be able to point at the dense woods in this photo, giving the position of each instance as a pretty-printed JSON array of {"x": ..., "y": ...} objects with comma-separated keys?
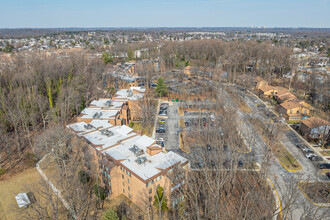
[
  {"x": 235, "y": 57},
  {"x": 35, "y": 93}
]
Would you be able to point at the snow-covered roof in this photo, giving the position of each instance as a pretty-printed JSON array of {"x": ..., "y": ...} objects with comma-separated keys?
[{"x": 151, "y": 165}]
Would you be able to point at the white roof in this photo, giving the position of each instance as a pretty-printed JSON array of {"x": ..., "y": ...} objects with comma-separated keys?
[
  {"x": 22, "y": 200},
  {"x": 106, "y": 114},
  {"x": 106, "y": 103},
  {"x": 127, "y": 94},
  {"x": 153, "y": 164},
  {"x": 81, "y": 127},
  {"x": 140, "y": 89},
  {"x": 119, "y": 133}
]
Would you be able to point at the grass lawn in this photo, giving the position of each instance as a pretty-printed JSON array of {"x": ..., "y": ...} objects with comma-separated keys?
[
  {"x": 26, "y": 181},
  {"x": 10, "y": 187},
  {"x": 325, "y": 153},
  {"x": 147, "y": 130}
]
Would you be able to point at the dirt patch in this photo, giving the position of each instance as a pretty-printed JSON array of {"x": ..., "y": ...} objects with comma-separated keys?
[
  {"x": 325, "y": 153},
  {"x": 316, "y": 192},
  {"x": 183, "y": 145}
]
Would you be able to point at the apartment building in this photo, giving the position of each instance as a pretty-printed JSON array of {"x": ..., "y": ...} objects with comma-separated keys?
[
  {"x": 119, "y": 110},
  {"x": 133, "y": 165}
]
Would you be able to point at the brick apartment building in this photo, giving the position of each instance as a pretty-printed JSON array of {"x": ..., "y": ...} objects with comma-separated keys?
[{"x": 133, "y": 165}]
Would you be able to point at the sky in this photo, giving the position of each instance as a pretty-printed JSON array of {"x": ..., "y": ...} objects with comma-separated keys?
[{"x": 164, "y": 13}]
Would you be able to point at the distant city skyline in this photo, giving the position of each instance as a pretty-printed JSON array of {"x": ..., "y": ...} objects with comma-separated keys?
[{"x": 166, "y": 13}]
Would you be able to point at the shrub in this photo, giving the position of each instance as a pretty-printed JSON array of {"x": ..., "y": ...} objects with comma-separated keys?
[{"x": 131, "y": 124}]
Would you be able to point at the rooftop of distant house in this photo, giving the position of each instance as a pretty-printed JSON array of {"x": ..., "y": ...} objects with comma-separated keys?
[{"x": 314, "y": 122}]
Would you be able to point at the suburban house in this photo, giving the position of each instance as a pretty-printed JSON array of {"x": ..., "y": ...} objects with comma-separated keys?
[
  {"x": 294, "y": 109},
  {"x": 133, "y": 165},
  {"x": 283, "y": 95},
  {"x": 315, "y": 128}
]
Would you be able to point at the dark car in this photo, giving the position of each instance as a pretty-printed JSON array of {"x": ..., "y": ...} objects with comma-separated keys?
[
  {"x": 328, "y": 174},
  {"x": 315, "y": 158},
  {"x": 225, "y": 147},
  {"x": 300, "y": 146},
  {"x": 209, "y": 147},
  {"x": 163, "y": 107},
  {"x": 187, "y": 124},
  {"x": 324, "y": 166},
  {"x": 160, "y": 130},
  {"x": 185, "y": 112},
  {"x": 240, "y": 163}
]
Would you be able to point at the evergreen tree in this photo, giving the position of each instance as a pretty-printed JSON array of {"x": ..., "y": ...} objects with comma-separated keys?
[
  {"x": 161, "y": 88},
  {"x": 160, "y": 200},
  {"x": 110, "y": 214}
]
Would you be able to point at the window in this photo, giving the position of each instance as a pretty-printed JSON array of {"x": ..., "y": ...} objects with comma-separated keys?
[
  {"x": 298, "y": 111},
  {"x": 149, "y": 183},
  {"x": 129, "y": 196},
  {"x": 128, "y": 180},
  {"x": 150, "y": 191},
  {"x": 109, "y": 183},
  {"x": 123, "y": 184},
  {"x": 122, "y": 176},
  {"x": 123, "y": 190},
  {"x": 158, "y": 178},
  {"x": 291, "y": 111},
  {"x": 150, "y": 199},
  {"x": 129, "y": 188}
]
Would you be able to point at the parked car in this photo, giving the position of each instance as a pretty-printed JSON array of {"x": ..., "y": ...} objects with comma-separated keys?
[
  {"x": 160, "y": 139},
  {"x": 161, "y": 125},
  {"x": 308, "y": 150},
  {"x": 209, "y": 148},
  {"x": 185, "y": 112},
  {"x": 187, "y": 124},
  {"x": 328, "y": 174},
  {"x": 316, "y": 158},
  {"x": 163, "y": 108},
  {"x": 324, "y": 166},
  {"x": 162, "y": 121},
  {"x": 240, "y": 163},
  {"x": 160, "y": 130},
  {"x": 300, "y": 146},
  {"x": 163, "y": 113},
  {"x": 309, "y": 155}
]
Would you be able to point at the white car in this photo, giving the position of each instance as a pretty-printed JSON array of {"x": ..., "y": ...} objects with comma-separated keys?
[
  {"x": 160, "y": 139},
  {"x": 309, "y": 155}
]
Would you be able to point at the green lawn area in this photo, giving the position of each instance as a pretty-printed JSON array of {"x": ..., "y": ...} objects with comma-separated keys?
[{"x": 146, "y": 130}]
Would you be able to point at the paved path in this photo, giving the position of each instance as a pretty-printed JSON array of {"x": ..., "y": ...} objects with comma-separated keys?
[{"x": 55, "y": 190}]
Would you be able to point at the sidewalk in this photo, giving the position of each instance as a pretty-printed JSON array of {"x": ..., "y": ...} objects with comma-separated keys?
[{"x": 55, "y": 190}]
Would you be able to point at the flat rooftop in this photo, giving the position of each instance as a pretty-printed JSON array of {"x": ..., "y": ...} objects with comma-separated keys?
[
  {"x": 141, "y": 163},
  {"x": 99, "y": 113},
  {"x": 81, "y": 128}
]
